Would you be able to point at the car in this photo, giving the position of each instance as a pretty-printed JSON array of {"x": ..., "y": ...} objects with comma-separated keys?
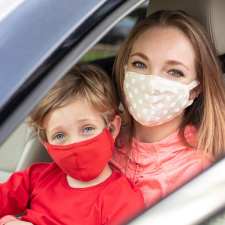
[{"x": 41, "y": 40}]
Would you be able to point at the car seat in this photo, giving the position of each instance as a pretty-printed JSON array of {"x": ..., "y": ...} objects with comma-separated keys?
[
  {"x": 20, "y": 150},
  {"x": 210, "y": 13}
]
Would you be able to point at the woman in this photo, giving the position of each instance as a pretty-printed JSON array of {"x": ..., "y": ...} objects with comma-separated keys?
[{"x": 171, "y": 87}]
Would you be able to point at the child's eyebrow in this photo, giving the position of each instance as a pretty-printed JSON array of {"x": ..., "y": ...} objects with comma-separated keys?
[
  {"x": 54, "y": 129},
  {"x": 86, "y": 120},
  {"x": 79, "y": 121},
  {"x": 83, "y": 120}
]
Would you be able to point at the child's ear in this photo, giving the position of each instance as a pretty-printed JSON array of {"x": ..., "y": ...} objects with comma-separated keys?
[{"x": 114, "y": 126}]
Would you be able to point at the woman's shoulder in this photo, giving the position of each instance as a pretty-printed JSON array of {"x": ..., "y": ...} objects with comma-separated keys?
[{"x": 191, "y": 134}]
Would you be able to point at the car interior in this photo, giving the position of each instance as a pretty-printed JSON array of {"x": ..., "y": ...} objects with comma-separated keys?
[{"x": 23, "y": 147}]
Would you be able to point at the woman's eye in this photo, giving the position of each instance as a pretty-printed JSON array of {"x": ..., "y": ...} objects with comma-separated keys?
[
  {"x": 138, "y": 65},
  {"x": 176, "y": 73},
  {"x": 88, "y": 130}
]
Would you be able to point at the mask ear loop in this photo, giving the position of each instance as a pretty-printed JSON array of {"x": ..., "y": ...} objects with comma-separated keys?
[{"x": 193, "y": 84}]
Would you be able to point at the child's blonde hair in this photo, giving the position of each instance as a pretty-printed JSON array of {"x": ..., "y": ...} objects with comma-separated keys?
[{"x": 84, "y": 81}]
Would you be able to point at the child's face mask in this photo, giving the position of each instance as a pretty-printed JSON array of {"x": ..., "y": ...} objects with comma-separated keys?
[
  {"x": 83, "y": 160},
  {"x": 153, "y": 100}
]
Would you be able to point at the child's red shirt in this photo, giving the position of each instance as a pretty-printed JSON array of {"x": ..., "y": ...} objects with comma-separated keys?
[{"x": 42, "y": 192}]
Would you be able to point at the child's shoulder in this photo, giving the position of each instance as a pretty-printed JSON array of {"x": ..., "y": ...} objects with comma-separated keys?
[
  {"x": 42, "y": 169},
  {"x": 121, "y": 188},
  {"x": 121, "y": 200},
  {"x": 121, "y": 181}
]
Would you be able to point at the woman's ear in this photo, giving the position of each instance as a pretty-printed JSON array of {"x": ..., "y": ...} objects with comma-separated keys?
[
  {"x": 195, "y": 92},
  {"x": 114, "y": 126}
]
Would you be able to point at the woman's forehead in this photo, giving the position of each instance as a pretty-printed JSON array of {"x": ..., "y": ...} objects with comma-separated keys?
[{"x": 167, "y": 41}]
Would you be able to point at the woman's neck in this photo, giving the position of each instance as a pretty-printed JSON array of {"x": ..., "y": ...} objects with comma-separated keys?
[
  {"x": 107, "y": 171},
  {"x": 156, "y": 133}
]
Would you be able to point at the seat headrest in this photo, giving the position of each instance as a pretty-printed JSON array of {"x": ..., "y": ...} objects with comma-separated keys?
[{"x": 210, "y": 13}]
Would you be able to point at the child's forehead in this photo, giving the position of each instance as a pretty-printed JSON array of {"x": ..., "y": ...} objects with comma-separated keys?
[
  {"x": 80, "y": 105},
  {"x": 76, "y": 111}
]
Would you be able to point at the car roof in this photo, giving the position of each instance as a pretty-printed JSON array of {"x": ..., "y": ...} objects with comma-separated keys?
[
  {"x": 7, "y": 7},
  {"x": 30, "y": 34}
]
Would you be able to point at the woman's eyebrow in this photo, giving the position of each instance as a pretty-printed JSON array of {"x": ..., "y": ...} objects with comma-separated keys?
[
  {"x": 140, "y": 55},
  {"x": 175, "y": 62}
]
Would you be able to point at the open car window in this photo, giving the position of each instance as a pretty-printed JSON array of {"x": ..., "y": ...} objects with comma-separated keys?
[
  {"x": 193, "y": 202},
  {"x": 108, "y": 46},
  {"x": 29, "y": 148}
]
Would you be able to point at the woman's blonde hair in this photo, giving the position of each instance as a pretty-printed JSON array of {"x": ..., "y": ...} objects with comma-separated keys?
[
  {"x": 207, "y": 112},
  {"x": 84, "y": 81}
]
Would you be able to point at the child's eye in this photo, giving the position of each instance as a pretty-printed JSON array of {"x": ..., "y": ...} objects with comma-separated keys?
[
  {"x": 88, "y": 130},
  {"x": 59, "y": 137},
  {"x": 176, "y": 73},
  {"x": 138, "y": 65}
]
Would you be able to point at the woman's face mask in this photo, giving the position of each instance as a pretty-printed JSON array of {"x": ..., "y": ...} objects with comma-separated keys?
[{"x": 153, "y": 100}]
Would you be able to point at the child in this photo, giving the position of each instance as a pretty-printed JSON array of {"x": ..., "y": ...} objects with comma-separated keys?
[{"x": 77, "y": 123}]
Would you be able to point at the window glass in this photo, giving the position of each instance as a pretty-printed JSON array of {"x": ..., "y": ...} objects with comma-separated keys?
[{"x": 109, "y": 44}]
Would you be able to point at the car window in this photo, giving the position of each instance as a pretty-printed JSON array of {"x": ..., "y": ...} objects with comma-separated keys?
[
  {"x": 107, "y": 47},
  {"x": 23, "y": 135},
  {"x": 110, "y": 43}
]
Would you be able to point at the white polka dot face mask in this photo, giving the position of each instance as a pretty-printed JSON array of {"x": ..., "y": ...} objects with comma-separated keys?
[{"x": 153, "y": 100}]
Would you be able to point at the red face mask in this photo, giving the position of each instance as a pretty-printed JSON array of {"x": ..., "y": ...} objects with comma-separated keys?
[{"x": 83, "y": 160}]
